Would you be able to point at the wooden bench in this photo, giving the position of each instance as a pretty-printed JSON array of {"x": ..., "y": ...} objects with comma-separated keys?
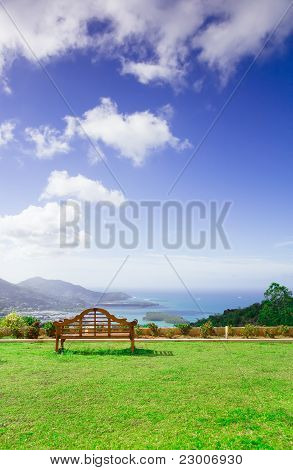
[{"x": 94, "y": 323}]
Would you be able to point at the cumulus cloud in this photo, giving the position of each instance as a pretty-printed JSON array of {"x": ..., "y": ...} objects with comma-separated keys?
[
  {"x": 6, "y": 132},
  {"x": 133, "y": 136},
  {"x": 48, "y": 142},
  {"x": 154, "y": 40},
  {"x": 62, "y": 185},
  {"x": 35, "y": 230},
  {"x": 243, "y": 30}
]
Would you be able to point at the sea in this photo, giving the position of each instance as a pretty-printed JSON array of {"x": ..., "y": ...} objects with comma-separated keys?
[{"x": 192, "y": 306}]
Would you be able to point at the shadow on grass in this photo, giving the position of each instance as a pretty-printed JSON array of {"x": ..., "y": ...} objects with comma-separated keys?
[{"x": 115, "y": 352}]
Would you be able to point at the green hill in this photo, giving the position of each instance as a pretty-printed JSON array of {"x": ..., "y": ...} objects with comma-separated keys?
[{"x": 275, "y": 309}]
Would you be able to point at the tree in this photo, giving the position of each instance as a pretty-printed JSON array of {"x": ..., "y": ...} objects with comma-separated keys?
[
  {"x": 277, "y": 294},
  {"x": 278, "y": 306}
]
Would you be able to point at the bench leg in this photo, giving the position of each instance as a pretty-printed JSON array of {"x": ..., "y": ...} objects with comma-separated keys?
[
  {"x": 57, "y": 344},
  {"x": 62, "y": 343},
  {"x": 132, "y": 339}
]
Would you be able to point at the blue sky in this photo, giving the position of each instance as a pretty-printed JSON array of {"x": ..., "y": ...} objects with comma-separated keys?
[{"x": 150, "y": 90}]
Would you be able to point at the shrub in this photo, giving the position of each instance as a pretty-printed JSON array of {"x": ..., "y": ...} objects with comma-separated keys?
[
  {"x": 171, "y": 332},
  {"x": 138, "y": 331},
  {"x": 16, "y": 332},
  {"x": 31, "y": 332},
  {"x": 249, "y": 330},
  {"x": 50, "y": 329},
  {"x": 4, "y": 331},
  {"x": 206, "y": 329},
  {"x": 284, "y": 330},
  {"x": 29, "y": 320},
  {"x": 13, "y": 321},
  {"x": 270, "y": 333},
  {"x": 231, "y": 331},
  {"x": 155, "y": 330},
  {"x": 184, "y": 328}
]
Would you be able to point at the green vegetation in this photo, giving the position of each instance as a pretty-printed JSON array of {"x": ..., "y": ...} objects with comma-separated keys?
[
  {"x": 19, "y": 326},
  {"x": 206, "y": 329},
  {"x": 249, "y": 331},
  {"x": 154, "y": 329},
  {"x": 184, "y": 328},
  {"x": 170, "y": 333},
  {"x": 13, "y": 324},
  {"x": 165, "y": 396},
  {"x": 49, "y": 328},
  {"x": 276, "y": 309}
]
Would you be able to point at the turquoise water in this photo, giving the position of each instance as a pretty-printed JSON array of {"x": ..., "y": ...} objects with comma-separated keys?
[{"x": 200, "y": 305}]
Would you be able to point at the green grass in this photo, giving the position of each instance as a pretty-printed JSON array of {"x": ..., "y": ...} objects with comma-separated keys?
[{"x": 166, "y": 396}]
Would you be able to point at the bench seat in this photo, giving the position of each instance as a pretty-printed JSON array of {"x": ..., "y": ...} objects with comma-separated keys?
[{"x": 94, "y": 324}]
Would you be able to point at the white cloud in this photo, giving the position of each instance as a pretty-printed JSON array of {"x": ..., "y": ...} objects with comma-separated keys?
[
  {"x": 166, "y": 112},
  {"x": 61, "y": 185},
  {"x": 147, "y": 72},
  {"x": 48, "y": 141},
  {"x": 153, "y": 39},
  {"x": 35, "y": 230},
  {"x": 6, "y": 132},
  {"x": 243, "y": 30},
  {"x": 5, "y": 86},
  {"x": 134, "y": 135}
]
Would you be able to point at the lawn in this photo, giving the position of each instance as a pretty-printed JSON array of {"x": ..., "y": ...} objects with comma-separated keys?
[{"x": 166, "y": 396}]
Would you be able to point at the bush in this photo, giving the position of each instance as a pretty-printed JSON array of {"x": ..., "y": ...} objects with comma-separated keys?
[
  {"x": 249, "y": 331},
  {"x": 4, "y": 331},
  {"x": 29, "y": 320},
  {"x": 16, "y": 332},
  {"x": 184, "y": 328},
  {"x": 270, "y": 333},
  {"x": 206, "y": 329},
  {"x": 284, "y": 330},
  {"x": 155, "y": 330},
  {"x": 13, "y": 321},
  {"x": 231, "y": 331},
  {"x": 50, "y": 329},
  {"x": 138, "y": 331},
  {"x": 31, "y": 332},
  {"x": 171, "y": 332}
]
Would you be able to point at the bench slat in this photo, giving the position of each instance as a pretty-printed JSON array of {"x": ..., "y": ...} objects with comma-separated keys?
[{"x": 96, "y": 324}]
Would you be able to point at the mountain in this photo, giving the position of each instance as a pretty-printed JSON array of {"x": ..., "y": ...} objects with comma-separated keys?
[
  {"x": 43, "y": 294},
  {"x": 14, "y": 296},
  {"x": 70, "y": 294}
]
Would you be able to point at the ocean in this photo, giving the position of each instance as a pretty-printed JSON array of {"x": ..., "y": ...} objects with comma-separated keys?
[{"x": 200, "y": 305}]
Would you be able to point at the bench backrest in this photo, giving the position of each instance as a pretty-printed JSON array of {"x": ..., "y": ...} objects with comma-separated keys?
[{"x": 94, "y": 322}]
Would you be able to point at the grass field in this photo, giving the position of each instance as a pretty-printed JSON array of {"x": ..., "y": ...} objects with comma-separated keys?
[{"x": 167, "y": 396}]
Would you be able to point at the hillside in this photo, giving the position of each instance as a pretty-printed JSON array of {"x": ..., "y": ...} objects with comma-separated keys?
[
  {"x": 275, "y": 309},
  {"x": 12, "y": 295},
  {"x": 67, "y": 292},
  {"x": 234, "y": 317},
  {"x": 43, "y": 294}
]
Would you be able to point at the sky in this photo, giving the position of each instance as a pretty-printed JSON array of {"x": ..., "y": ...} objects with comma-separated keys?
[{"x": 108, "y": 101}]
